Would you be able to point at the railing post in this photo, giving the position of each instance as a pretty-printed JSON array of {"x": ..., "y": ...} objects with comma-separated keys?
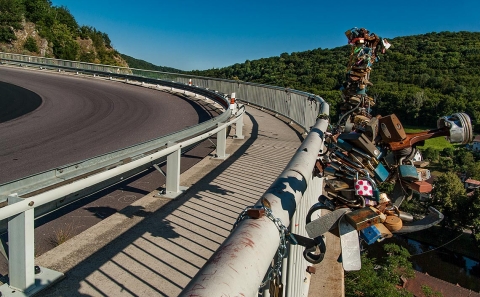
[
  {"x": 24, "y": 278},
  {"x": 221, "y": 143},
  {"x": 172, "y": 184},
  {"x": 239, "y": 128},
  {"x": 21, "y": 270}
]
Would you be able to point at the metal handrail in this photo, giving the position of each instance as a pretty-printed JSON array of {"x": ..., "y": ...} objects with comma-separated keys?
[
  {"x": 293, "y": 191},
  {"x": 62, "y": 191},
  {"x": 48, "y": 178}
]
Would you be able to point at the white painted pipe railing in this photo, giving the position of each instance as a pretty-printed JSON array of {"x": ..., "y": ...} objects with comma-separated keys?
[{"x": 239, "y": 265}]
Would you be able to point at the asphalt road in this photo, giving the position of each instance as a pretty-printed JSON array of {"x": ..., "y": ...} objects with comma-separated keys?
[{"x": 80, "y": 118}]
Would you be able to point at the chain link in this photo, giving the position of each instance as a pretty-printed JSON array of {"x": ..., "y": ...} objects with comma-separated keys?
[{"x": 276, "y": 269}]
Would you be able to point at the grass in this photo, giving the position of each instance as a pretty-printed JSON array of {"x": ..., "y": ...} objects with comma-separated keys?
[{"x": 62, "y": 235}]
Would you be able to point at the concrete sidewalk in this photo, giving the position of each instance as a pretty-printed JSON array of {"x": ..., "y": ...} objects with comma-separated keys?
[{"x": 155, "y": 246}]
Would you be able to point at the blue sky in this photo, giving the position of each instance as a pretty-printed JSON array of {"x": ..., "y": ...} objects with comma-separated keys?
[{"x": 190, "y": 35}]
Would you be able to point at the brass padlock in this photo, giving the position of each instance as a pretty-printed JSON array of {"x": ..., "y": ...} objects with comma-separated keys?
[
  {"x": 276, "y": 287},
  {"x": 363, "y": 217}
]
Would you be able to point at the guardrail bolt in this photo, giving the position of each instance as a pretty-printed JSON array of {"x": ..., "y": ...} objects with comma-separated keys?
[{"x": 31, "y": 203}]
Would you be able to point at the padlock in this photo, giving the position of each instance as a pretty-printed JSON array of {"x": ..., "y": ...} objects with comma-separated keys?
[
  {"x": 337, "y": 184},
  {"x": 344, "y": 145},
  {"x": 331, "y": 171},
  {"x": 381, "y": 173},
  {"x": 319, "y": 167},
  {"x": 393, "y": 223},
  {"x": 420, "y": 186},
  {"x": 384, "y": 199},
  {"x": 360, "y": 120},
  {"x": 363, "y": 218},
  {"x": 343, "y": 158},
  {"x": 370, "y": 202},
  {"x": 423, "y": 174},
  {"x": 370, "y": 234},
  {"x": 361, "y": 141},
  {"x": 276, "y": 286},
  {"x": 371, "y": 129},
  {"x": 363, "y": 188},
  {"x": 408, "y": 173},
  {"x": 391, "y": 129},
  {"x": 385, "y": 233}
]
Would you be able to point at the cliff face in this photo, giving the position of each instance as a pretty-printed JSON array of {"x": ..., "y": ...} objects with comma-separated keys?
[
  {"x": 39, "y": 46},
  {"x": 17, "y": 46}
]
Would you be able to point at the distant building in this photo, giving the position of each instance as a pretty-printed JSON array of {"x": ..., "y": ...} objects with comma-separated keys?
[
  {"x": 414, "y": 285},
  {"x": 471, "y": 185},
  {"x": 418, "y": 156}
]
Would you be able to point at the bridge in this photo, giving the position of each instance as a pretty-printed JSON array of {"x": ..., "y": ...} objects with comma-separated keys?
[{"x": 158, "y": 246}]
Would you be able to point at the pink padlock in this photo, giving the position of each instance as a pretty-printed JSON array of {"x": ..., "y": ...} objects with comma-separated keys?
[{"x": 363, "y": 188}]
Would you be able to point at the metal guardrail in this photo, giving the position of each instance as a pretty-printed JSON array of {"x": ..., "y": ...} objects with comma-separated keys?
[
  {"x": 294, "y": 191},
  {"x": 300, "y": 107}
]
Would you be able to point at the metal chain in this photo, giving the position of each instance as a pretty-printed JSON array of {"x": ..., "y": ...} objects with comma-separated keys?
[{"x": 282, "y": 248}]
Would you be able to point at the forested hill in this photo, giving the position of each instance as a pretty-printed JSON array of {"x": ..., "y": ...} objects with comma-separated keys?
[
  {"x": 141, "y": 64},
  {"x": 36, "y": 27},
  {"x": 420, "y": 78}
]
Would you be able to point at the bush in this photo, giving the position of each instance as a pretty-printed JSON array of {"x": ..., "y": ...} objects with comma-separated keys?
[
  {"x": 431, "y": 154},
  {"x": 30, "y": 45},
  {"x": 7, "y": 34},
  {"x": 448, "y": 152}
]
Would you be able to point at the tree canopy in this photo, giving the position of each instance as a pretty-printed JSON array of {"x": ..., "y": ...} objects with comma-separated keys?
[
  {"x": 59, "y": 27},
  {"x": 420, "y": 78}
]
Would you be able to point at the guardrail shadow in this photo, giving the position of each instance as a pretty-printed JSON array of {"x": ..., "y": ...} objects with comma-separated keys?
[{"x": 161, "y": 253}]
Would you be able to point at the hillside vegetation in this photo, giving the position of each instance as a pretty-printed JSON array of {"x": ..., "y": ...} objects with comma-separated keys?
[
  {"x": 36, "y": 27},
  {"x": 420, "y": 78},
  {"x": 141, "y": 64}
]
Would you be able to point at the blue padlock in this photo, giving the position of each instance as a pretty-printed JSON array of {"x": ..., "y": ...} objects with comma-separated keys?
[
  {"x": 408, "y": 172},
  {"x": 370, "y": 234},
  {"x": 381, "y": 173}
]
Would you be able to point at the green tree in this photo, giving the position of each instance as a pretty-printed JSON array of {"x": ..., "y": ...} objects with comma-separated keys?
[
  {"x": 471, "y": 208},
  {"x": 429, "y": 292},
  {"x": 64, "y": 46},
  {"x": 11, "y": 13},
  {"x": 431, "y": 154},
  {"x": 449, "y": 197},
  {"x": 37, "y": 10},
  {"x": 448, "y": 152},
  {"x": 378, "y": 278},
  {"x": 446, "y": 162},
  {"x": 31, "y": 45},
  {"x": 63, "y": 16}
]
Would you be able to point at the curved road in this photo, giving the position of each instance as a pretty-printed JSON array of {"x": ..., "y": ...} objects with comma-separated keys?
[{"x": 79, "y": 118}]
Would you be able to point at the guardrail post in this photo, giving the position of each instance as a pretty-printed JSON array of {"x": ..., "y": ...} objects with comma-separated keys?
[
  {"x": 221, "y": 143},
  {"x": 172, "y": 185},
  {"x": 21, "y": 249},
  {"x": 24, "y": 277},
  {"x": 239, "y": 127}
]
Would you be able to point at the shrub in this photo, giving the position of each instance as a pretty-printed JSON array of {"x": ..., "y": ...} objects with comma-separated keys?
[{"x": 30, "y": 45}]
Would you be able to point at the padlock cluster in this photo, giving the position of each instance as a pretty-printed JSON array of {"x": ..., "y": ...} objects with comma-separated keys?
[
  {"x": 354, "y": 167},
  {"x": 365, "y": 48},
  {"x": 365, "y": 151}
]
